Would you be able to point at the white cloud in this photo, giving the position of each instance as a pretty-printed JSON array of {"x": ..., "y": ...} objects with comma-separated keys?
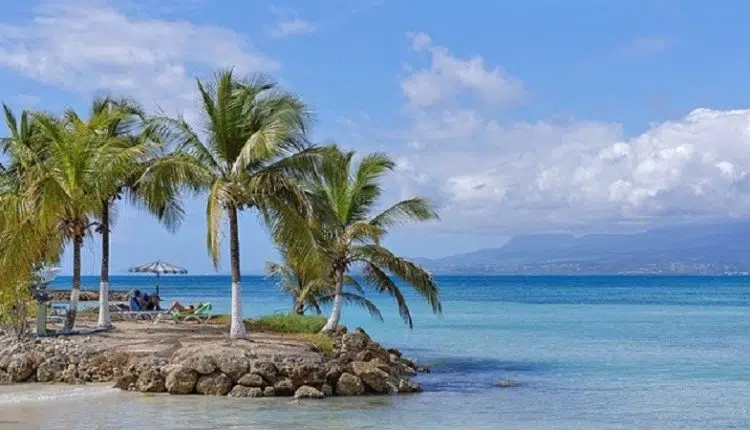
[
  {"x": 579, "y": 175},
  {"x": 292, "y": 27},
  {"x": 449, "y": 75},
  {"x": 89, "y": 47}
]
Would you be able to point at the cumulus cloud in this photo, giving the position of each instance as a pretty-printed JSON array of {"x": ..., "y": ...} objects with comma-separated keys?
[
  {"x": 292, "y": 27},
  {"x": 89, "y": 46},
  {"x": 580, "y": 175},
  {"x": 448, "y": 75}
]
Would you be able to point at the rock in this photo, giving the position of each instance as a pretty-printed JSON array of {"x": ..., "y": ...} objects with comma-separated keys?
[
  {"x": 394, "y": 351},
  {"x": 308, "y": 392},
  {"x": 252, "y": 380},
  {"x": 507, "y": 383},
  {"x": 422, "y": 369},
  {"x": 126, "y": 381},
  {"x": 150, "y": 381},
  {"x": 215, "y": 384},
  {"x": 233, "y": 365},
  {"x": 327, "y": 390},
  {"x": 242, "y": 391},
  {"x": 304, "y": 374},
  {"x": 51, "y": 369},
  {"x": 333, "y": 373},
  {"x": 181, "y": 380},
  {"x": 284, "y": 388},
  {"x": 349, "y": 385},
  {"x": 202, "y": 364},
  {"x": 5, "y": 378},
  {"x": 375, "y": 378},
  {"x": 266, "y": 369},
  {"x": 23, "y": 366},
  {"x": 380, "y": 364},
  {"x": 408, "y": 386},
  {"x": 269, "y": 392},
  {"x": 354, "y": 342}
]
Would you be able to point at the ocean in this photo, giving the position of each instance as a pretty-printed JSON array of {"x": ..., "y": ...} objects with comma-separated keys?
[{"x": 630, "y": 352}]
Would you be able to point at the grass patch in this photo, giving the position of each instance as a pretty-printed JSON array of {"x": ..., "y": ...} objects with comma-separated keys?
[
  {"x": 288, "y": 323},
  {"x": 320, "y": 341}
]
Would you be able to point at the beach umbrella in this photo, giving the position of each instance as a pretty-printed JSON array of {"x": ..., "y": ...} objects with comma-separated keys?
[{"x": 158, "y": 267}]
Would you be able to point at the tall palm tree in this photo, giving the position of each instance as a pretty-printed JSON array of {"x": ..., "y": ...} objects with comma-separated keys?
[
  {"x": 347, "y": 232},
  {"x": 253, "y": 138},
  {"x": 78, "y": 163},
  {"x": 119, "y": 122},
  {"x": 305, "y": 278},
  {"x": 27, "y": 238}
]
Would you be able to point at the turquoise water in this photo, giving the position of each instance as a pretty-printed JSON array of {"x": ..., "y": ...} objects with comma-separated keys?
[{"x": 590, "y": 352}]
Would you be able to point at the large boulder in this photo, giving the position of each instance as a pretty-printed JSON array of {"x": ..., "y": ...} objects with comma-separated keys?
[
  {"x": 327, "y": 390},
  {"x": 252, "y": 380},
  {"x": 304, "y": 374},
  {"x": 376, "y": 379},
  {"x": 333, "y": 372},
  {"x": 269, "y": 392},
  {"x": 5, "y": 379},
  {"x": 23, "y": 366},
  {"x": 354, "y": 342},
  {"x": 408, "y": 386},
  {"x": 201, "y": 363},
  {"x": 242, "y": 391},
  {"x": 181, "y": 380},
  {"x": 51, "y": 369},
  {"x": 215, "y": 384},
  {"x": 284, "y": 387},
  {"x": 150, "y": 381},
  {"x": 233, "y": 365},
  {"x": 266, "y": 369},
  {"x": 308, "y": 392},
  {"x": 349, "y": 385}
]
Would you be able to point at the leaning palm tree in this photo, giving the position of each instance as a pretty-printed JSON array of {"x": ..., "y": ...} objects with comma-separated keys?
[
  {"x": 78, "y": 164},
  {"x": 344, "y": 229},
  {"x": 252, "y": 139},
  {"x": 119, "y": 124},
  {"x": 305, "y": 278}
]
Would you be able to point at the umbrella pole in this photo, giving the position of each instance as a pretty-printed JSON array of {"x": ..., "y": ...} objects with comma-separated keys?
[{"x": 157, "y": 284}]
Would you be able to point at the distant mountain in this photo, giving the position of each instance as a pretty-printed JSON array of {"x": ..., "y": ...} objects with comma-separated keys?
[{"x": 710, "y": 249}]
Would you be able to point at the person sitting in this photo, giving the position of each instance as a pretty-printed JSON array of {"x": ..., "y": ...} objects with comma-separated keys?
[
  {"x": 152, "y": 302},
  {"x": 177, "y": 306},
  {"x": 135, "y": 301}
]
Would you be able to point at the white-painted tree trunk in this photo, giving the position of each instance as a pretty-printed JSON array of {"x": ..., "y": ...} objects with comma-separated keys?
[
  {"x": 105, "y": 320},
  {"x": 237, "y": 330},
  {"x": 338, "y": 301}
]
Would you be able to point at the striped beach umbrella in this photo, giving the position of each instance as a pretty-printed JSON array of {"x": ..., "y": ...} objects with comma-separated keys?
[{"x": 159, "y": 268}]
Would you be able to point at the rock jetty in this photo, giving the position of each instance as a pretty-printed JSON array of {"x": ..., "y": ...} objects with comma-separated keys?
[{"x": 358, "y": 366}]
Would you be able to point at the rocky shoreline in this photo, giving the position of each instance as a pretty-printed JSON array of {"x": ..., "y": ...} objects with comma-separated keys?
[
  {"x": 358, "y": 366},
  {"x": 87, "y": 295}
]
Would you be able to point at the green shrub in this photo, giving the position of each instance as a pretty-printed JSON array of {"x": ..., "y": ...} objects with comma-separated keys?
[{"x": 287, "y": 323}]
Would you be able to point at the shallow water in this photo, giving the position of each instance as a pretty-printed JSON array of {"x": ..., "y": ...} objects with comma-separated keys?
[{"x": 590, "y": 352}]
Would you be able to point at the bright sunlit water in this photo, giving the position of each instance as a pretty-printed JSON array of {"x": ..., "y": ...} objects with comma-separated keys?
[{"x": 590, "y": 352}]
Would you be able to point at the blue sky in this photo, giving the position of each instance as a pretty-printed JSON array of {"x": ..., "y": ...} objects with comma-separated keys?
[{"x": 514, "y": 117}]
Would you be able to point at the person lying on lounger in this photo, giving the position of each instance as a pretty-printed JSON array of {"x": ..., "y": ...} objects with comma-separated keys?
[{"x": 177, "y": 306}]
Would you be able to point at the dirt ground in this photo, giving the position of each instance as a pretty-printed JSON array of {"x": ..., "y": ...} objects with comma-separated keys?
[{"x": 144, "y": 338}]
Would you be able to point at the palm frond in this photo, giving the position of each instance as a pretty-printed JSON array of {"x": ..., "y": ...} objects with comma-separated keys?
[
  {"x": 349, "y": 299},
  {"x": 416, "y": 208}
]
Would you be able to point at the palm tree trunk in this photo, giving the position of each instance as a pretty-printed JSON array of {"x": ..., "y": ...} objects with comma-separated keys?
[
  {"x": 333, "y": 320},
  {"x": 75, "y": 292},
  {"x": 299, "y": 308},
  {"x": 237, "y": 329},
  {"x": 105, "y": 321}
]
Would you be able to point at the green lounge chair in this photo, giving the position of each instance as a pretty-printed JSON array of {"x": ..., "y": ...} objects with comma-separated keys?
[{"x": 202, "y": 314}]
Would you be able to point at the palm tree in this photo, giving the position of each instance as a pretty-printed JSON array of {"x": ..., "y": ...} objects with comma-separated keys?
[
  {"x": 79, "y": 163},
  {"x": 253, "y": 138},
  {"x": 27, "y": 238},
  {"x": 118, "y": 122},
  {"x": 305, "y": 278},
  {"x": 344, "y": 199}
]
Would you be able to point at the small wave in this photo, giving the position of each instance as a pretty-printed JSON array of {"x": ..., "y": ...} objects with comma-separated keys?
[{"x": 37, "y": 395}]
